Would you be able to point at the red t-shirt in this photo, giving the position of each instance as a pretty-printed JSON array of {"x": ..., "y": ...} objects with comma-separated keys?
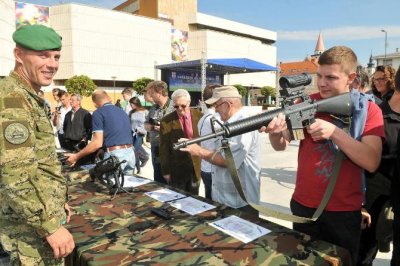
[{"x": 315, "y": 166}]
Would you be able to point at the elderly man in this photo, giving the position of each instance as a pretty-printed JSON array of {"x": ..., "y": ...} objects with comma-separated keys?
[
  {"x": 33, "y": 192},
  {"x": 112, "y": 131},
  {"x": 77, "y": 125},
  {"x": 245, "y": 149},
  {"x": 179, "y": 169}
]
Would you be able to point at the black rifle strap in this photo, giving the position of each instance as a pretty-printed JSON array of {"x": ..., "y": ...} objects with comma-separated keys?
[{"x": 277, "y": 214}]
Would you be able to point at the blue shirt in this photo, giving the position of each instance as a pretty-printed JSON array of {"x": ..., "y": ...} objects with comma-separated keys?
[{"x": 114, "y": 123}]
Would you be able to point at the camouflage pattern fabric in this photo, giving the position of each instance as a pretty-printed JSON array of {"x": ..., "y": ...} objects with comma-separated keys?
[
  {"x": 32, "y": 188},
  {"x": 123, "y": 231}
]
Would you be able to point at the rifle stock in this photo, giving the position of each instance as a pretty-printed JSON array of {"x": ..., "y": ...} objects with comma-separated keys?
[{"x": 297, "y": 116}]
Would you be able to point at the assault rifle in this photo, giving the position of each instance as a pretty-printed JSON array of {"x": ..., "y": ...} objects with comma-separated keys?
[
  {"x": 297, "y": 106},
  {"x": 109, "y": 173}
]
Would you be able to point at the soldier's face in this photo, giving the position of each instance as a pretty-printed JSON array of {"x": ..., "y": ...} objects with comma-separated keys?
[{"x": 39, "y": 67}]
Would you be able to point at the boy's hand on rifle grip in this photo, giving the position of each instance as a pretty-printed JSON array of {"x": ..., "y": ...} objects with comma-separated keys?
[{"x": 321, "y": 129}]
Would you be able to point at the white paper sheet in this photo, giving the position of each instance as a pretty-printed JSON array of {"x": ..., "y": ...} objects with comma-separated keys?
[
  {"x": 164, "y": 195},
  {"x": 133, "y": 181},
  {"x": 239, "y": 228},
  {"x": 191, "y": 205},
  {"x": 61, "y": 150}
]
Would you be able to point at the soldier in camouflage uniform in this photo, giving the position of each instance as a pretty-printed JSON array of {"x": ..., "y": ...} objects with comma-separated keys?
[{"x": 33, "y": 192}]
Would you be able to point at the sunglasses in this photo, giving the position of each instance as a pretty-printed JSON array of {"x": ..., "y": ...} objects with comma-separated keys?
[{"x": 183, "y": 106}]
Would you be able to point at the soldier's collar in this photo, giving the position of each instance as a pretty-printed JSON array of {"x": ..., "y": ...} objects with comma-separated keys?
[{"x": 23, "y": 82}]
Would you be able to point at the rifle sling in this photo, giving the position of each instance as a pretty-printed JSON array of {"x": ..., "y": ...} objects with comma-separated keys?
[{"x": 277, "y": 214}]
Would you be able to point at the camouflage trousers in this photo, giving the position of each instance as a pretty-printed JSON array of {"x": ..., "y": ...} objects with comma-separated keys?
[{"x": 25, "y": 247}]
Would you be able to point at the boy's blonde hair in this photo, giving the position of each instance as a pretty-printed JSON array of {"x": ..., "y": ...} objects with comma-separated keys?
[{"x": 340, "y": 55}]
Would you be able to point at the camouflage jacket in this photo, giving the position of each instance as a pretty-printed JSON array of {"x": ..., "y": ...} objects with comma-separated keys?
[{"x": 32, "y": 189}]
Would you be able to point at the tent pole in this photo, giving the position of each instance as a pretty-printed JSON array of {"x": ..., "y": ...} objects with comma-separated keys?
[{"x": 203, "y": 72}]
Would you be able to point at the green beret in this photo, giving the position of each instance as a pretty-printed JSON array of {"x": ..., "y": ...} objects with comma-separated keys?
[{"x": 37, "y": 38}]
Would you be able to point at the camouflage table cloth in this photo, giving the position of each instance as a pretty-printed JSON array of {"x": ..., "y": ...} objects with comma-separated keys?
[{"x": 123, "y": 231}]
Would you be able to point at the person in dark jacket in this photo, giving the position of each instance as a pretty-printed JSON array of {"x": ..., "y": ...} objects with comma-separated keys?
[
  {"x": 77, "y": 125},
  {"x": 180, "y": 169},
  {"x": 381, "y": 186}
]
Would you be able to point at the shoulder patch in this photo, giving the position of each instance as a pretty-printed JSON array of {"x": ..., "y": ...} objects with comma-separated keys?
[
  {"x": 12, "y": 102},
  {"x": 16, "y": 133}
]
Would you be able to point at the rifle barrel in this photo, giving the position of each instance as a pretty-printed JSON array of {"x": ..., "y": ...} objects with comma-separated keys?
[
  {"x": 340, "y": 105},
  {"x": 185, "y": 143}
]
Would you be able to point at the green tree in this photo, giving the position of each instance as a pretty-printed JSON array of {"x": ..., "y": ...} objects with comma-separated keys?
[
  {"x": 242, "y": 89},
  {"x": 82, "y": 85},
  {"x": 268, "y": 91},
  {"x": 139, "y": 85}
]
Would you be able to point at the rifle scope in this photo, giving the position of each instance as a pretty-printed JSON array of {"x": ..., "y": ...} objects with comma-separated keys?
[{"x": 295, "y": 81}]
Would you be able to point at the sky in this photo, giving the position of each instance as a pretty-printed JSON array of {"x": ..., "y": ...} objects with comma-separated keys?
[{"x": 357, "y": 24}]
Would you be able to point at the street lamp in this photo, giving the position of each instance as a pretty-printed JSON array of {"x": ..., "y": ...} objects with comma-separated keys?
[
  {"x": 385, "y": 41},
  {"x": 114, "y": 78},
  {"x": 250, "y": 93}
]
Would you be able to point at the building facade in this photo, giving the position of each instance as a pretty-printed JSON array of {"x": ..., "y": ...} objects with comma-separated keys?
[
  {"x": 103, "y": 43},
  {"x": 213, "y": 37},
  {"x": 116, "y": 47},
  {"x": 7, "y": 27},
  {"x": 391, "y": 59}
]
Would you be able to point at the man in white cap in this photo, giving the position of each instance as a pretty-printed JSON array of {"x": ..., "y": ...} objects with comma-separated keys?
[{"x": 245, "y": 150}]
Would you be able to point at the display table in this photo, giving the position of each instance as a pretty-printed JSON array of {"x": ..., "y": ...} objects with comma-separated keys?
[{"x": 123, "y": 231}]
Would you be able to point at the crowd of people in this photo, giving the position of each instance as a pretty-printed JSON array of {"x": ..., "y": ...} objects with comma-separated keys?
[{"x": 33, "y": 191}]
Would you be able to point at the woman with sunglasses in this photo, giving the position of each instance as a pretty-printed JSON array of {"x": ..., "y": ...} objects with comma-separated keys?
[
  {"x": 137, "y": 116},
  {"x": 383, "y": 83}
]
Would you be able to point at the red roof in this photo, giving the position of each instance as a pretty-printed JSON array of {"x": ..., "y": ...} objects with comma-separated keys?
[{"x": 295, "y": 68}]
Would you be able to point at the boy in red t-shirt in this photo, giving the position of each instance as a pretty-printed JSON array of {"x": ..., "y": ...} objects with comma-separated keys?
[{"x": 340, "y": 222}]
